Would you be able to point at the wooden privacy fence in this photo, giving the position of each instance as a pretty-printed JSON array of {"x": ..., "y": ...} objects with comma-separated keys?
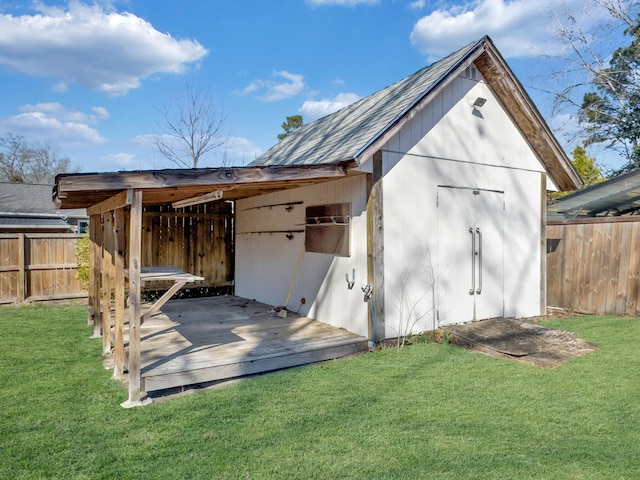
[
  {"x": 593, "y": 265},
  {"x": 196, "y": 239},
  {"x": 39, "y": 266}
]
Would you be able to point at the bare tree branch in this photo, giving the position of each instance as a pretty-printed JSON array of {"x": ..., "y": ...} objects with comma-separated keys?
[{"x": 190, "y": 128}]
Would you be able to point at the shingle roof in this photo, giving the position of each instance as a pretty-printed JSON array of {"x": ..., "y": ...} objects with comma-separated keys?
[
  {"x": 345, "y": 134},
  {"x": 26, "y": 198}
]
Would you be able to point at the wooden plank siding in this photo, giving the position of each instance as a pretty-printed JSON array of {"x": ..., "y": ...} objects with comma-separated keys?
[{"x": 593, "y": 265}]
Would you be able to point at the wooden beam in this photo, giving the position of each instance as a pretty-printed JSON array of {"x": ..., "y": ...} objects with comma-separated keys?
[
  {"x": 543, "y": 243},
  {"x": 375, "y": 248},
  {"x": 163, "y": 299},
  {"x": 95, "y": 264},
  {"x": 578, "y": 221},
  {"x": 119, "y": 200},
  {"x": 135, "y": 259},
  {"x": 191, "y": 177},
  {"x": 206, "y": 198},
  {"x": 107, "y": 282},
  {"x": 118, "y": 334}
]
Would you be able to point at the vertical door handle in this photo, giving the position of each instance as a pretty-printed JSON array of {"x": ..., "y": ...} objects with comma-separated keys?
[
  {"x": 479, "y": 232},
  {"x": 473, "y": 262}
]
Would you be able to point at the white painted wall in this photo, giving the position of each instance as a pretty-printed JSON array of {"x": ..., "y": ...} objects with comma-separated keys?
[
  {"x": 265, "y": 263},
  {"x": 449, "y": 143}
]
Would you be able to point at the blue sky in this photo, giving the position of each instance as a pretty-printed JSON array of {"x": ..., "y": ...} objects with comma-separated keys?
[{"x": 91, "y": 77}]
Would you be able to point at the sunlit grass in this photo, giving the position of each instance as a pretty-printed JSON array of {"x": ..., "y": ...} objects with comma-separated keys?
[{"x": 426, "y": 411}]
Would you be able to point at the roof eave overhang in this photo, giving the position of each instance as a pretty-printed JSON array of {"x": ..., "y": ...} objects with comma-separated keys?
[
  {"x": 517, "y": 103},
  {"x": 84, "y": 190},
  {"x": 514, "y": 100}
]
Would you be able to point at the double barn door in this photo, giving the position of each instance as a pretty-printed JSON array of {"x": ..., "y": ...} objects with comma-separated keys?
[{"x": 470, "y": 254}]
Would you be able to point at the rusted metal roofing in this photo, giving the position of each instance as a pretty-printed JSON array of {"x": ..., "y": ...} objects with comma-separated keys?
[{"x": 345, "y": 134}]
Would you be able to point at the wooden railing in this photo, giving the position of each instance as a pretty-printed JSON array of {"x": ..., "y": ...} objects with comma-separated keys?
[{"x": 39, "y": 267}]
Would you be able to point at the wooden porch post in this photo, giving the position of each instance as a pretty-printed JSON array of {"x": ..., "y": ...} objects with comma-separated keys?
[
  {"x": 119, "y": 230},
  {"x": 95, "y": 264},
  {"x": 375, "y": 248},
  {"x": 107, "y": 282},
  {"x": 135, "y": 250}
]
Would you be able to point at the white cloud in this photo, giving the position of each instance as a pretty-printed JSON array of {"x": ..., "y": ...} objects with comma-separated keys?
[
  {"x": 123, "y": 160},
  {"x": 238, "y": 151},
  {"x": 60, "y": 112},
  {"x": 312, "y": 109},
  {"x": 343, "y": 3},
  {"x": 53, "y": 121},
  {"x": 273, "y": 90},
  {"x": 101, "y": 112},
  {"x": 102, "y": 50},
  {"x": 520, "y": 28},
  {"x": 60, "y": 87},
  {"x": 417, "y": 5}
]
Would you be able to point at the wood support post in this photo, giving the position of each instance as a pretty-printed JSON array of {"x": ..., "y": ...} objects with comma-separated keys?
[
  {"x": 375, "y": 248},
  {"x": 107, "y": 282},
  {"x": 95, "y": 277},
  {"x": 163, "y": 299},
  {"x": 543, "y": 243},
  {"x": 135, "y": 250},
  {"x": 119, "y": 251},
  {"x": 21, "y": 291}
]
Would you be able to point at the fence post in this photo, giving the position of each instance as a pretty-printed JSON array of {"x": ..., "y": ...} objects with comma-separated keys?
[{"x": 21, "y": 293}]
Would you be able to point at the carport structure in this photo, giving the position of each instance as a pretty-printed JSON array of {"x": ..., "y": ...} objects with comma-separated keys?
[{"x": 116, "y": 200}]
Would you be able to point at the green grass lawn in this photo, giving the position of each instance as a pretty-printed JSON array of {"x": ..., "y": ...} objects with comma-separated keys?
[{"x": 425, "y": 411}]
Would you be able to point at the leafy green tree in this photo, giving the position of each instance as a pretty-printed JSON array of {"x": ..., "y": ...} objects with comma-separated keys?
[
  {"x": 586, "y": 167},
  {"x": 289, "y": 125},
  {"x": 611, "y": 113}
]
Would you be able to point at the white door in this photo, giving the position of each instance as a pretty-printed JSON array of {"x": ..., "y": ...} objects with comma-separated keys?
[{"x": 470, "y": 254}]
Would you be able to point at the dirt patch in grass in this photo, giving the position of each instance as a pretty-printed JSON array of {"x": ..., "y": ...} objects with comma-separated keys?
[{"x": 520, "y": 341}]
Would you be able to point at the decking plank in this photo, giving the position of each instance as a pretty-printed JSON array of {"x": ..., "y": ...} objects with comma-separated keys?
[{"x": 207, "y": 339}]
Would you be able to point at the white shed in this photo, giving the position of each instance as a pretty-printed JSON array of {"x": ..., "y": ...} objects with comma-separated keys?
[{"x": 442, "y": 214}]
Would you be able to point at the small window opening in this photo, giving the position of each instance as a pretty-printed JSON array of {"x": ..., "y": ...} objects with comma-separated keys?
[
  {"x": 327, "y": 229},
  {"x": 471, "y": 72}
]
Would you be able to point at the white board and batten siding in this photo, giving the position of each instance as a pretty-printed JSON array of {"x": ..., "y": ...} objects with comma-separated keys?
[
  {"x": 453, "y": 175},
  {"x": 266, "y": 262},
  {"x": 462, "y": 193}
]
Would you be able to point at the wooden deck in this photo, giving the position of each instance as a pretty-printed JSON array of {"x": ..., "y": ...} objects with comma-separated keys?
[{"x": 194, "y": 341}]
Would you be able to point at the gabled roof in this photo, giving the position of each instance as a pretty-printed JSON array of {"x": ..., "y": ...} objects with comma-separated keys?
[
  {"x": 355, "y": 131},
  {"x": 617, "y": 196}
]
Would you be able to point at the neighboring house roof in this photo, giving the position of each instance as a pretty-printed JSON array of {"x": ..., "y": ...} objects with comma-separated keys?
[
  {"x": 356, "y": 131},
  {"x": 29, "y": 207},
  {"x": 617, "y": 196}
]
